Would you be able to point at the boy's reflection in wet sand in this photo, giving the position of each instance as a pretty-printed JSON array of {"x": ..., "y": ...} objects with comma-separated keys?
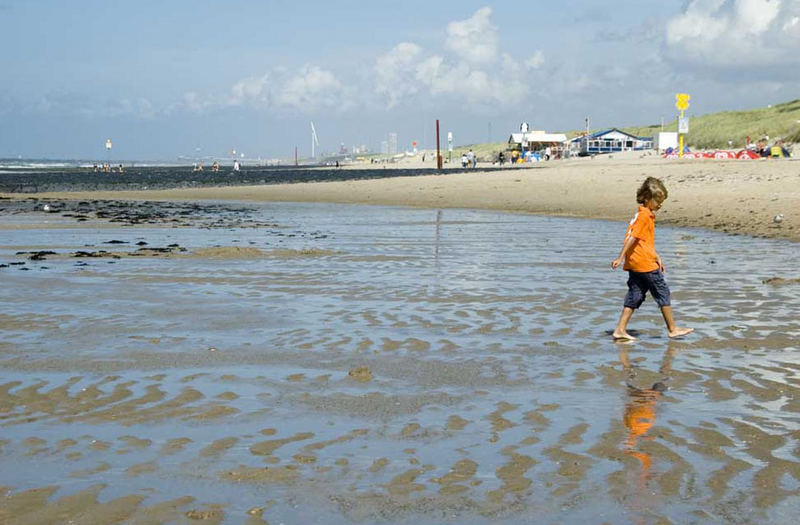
[
  {"x": 639, "y": 417},
  {"x": 640, "y": 409}
]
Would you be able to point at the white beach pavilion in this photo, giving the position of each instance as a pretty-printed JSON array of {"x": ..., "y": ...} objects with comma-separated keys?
[{"x": 538, "y": 141}]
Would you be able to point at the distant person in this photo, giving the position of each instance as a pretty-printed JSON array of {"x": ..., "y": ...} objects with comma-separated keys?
[
  {"x": 514, "y": 156},
  {"x": 644, "y": 265},
  {"x": 471, "y": 158},
  {"x": 778, "y": 150},
  {"x": 236, "y": 166},
  {"x": 547, "y": 152},
  {"x": 95, "y": 168},
  {"x": 464, "y": 160},
  {"x": 501, "y": 158},
  {"x": 120, "y": 168},
  {"x": 215, "y": 166}
]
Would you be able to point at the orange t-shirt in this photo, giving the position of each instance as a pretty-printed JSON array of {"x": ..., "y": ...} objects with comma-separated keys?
[{"x": 642, "y": 257}]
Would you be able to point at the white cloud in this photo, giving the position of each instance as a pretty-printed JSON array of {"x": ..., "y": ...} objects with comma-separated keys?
[
  {"x": 535, "y": 61},
  {"x": 308, "y": 89},
  {"x": 139, "y": 107},
  {"x": 735, "y": 33},
  {"x": 394, "y": 72},
  {"x": 311, "y": 89},
  {"x": 473, "y": 72},
  {"x": 467, "y": 84},
  {"x": 792, "y": 25},
  {"x": 469, "y": 69},
  {"x": 254, "y": 92},
  {"x": 475, "y": 39},
  {"x": 193, "y": 101},
  {"x": 754, "y": 17},
  {"x": 72, "y": 104}
]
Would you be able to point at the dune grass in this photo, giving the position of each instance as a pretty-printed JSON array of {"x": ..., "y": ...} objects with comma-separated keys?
[
  {"x": 716, "y": 129},
  {"x": 485, "y": 152}
]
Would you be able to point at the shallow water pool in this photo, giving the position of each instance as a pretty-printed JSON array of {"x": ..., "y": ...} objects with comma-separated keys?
[{"x": 333, "y": 363}]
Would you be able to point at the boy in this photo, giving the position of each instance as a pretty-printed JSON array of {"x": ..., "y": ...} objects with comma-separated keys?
[{"x": 644, "y": 266}]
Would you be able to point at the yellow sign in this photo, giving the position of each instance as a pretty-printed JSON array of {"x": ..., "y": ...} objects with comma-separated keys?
[{"x": 682, "y": 101}]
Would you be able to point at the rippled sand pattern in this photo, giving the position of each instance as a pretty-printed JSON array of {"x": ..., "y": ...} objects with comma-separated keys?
[{"x": 397, "y": 366}]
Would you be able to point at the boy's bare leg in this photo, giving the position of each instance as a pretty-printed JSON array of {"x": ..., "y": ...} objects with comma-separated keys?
[
  {"x": 621, "y": 332},
  {"x": 672, "y": 330}
]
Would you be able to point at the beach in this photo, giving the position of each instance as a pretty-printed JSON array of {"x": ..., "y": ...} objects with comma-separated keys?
[
  {"x": 414, "y": 349},
  {"x": 737, "y": 197}
]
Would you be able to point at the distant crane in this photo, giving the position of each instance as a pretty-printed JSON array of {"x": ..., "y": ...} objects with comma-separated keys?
[{"x": 314, "y": 140}]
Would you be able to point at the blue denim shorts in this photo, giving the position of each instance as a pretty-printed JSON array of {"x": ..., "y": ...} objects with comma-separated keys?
[{"x": 639, "y": 283}]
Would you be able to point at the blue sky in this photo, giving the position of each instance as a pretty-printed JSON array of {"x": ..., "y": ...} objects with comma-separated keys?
[{"x": 185, "y": 77}]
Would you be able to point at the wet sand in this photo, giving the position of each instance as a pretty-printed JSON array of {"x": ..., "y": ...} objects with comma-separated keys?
[
  {"x": 737, "y": 197},
  {"x": 291, "y": 363}
]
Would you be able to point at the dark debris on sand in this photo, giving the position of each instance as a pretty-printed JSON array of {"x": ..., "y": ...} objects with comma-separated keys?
[{"x": 132, "y": 213}]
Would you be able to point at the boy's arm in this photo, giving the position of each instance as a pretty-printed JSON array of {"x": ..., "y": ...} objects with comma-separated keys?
[
  {"x": 660, "y": 264},
  {"x": 626, "y": 249}
]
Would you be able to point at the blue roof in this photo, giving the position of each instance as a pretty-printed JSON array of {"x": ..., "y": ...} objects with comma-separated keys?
[{"x": 598, "y": 134}]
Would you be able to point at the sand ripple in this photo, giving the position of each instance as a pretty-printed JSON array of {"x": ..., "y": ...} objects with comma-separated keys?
[{"x": 393, "y": 376}]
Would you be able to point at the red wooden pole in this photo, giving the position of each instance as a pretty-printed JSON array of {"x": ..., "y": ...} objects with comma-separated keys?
[{"x": 438, "y": 155}]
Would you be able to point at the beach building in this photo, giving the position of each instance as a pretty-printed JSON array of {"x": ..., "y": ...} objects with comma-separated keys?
[
  {"x": 612, "y": 140},
  {"x": 538, "y": 141},
  {"x": 666, "y": 140}
]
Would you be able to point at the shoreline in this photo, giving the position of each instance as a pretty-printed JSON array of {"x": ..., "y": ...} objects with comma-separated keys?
[{"x": 735, "y": 197}]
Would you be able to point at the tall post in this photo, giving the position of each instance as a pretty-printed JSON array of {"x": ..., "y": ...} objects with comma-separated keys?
[
  {"x": 295, "y": 155},
  {"x": 438, "y": 154},
  {"x": 682, "y": 103}
]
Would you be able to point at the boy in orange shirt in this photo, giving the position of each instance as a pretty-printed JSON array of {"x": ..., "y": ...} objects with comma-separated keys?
[{"x": 644, "y": 266}]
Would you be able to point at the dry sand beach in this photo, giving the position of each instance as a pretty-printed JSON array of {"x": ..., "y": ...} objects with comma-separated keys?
[
  {"x": 266, "y": 354},
  {"x": 739, "y": 197}
]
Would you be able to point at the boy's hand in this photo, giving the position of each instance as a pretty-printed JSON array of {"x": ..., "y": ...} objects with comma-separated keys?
[
  {"x": 661, "y": 265},
  {"x": 615, "y": 263}
]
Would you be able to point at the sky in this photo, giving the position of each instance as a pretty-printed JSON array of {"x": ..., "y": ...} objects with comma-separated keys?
[{"x": 175, "y": 78}]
